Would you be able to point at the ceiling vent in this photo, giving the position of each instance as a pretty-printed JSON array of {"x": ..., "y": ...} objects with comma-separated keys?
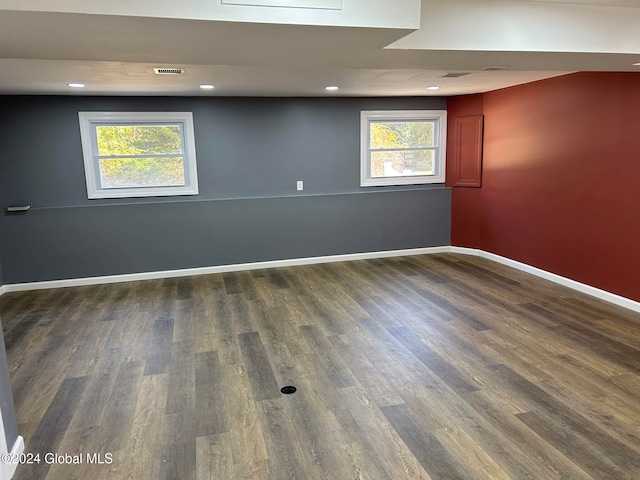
[
  {"x": 168, "y": 71},
  {"x": 495, "y": 68},
  {"x": 455, "y": 74}
]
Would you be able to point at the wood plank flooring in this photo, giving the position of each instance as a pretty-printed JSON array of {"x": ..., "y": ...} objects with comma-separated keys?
[{"x": 422, "y": 367}]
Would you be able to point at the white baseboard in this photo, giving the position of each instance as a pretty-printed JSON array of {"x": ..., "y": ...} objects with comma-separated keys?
[
  {"x": 567, "y": 282},
  {"x": 17, "y": 449},
  {"x": 8, "y": 468},
  {"x": 187, "y": 272},
  {"x": 465, "y": 251}
]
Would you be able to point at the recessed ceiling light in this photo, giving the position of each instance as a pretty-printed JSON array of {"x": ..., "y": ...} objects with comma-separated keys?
[
  {"x": 207, "y": 86},
  {"x": 75, "y": 85},
  {"x": 433, "y": 87},
  {"x": 332, "y": 88},
  {"x": 636, "y": 64}
]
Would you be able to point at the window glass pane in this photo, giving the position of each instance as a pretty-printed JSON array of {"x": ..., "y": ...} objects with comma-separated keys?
[
  {"x": 142, "y": 172},
  {"x": 138, "y": 139},
  {"x": 402, "y": 134},
  {"x": 402, "y": 163}
]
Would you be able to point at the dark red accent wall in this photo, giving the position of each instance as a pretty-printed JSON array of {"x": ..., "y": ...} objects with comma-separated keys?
[{"x": 561, "y": 178}]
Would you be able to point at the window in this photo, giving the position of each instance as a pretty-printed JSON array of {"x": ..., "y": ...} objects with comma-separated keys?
[
  {"x": 130, "y": 154},
  {"x": 402, "y": 147}
]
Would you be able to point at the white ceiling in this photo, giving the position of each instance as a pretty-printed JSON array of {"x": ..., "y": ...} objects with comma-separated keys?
[
  {"x": 42, "y": 49},
  {"x": 599, "y": 3},
  {"x": 524, "y": 26}
]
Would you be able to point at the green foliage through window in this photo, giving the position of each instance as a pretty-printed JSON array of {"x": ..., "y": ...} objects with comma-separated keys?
[
  {"x": 160, "y": 147},
  {"x": 141, "y": 172},
  {"x": 402, "y": 148}
]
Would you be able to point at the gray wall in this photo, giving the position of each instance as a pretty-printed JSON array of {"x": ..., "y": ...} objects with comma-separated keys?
[
  {"x": 250, "y": 153},
  {"x": 9, "y": 419}
]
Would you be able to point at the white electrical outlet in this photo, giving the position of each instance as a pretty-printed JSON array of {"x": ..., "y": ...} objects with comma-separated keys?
[{"x": 300, "y": 185}]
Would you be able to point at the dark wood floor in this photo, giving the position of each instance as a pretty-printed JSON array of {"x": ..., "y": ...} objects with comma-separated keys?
[{"x": 442, "y": 367}]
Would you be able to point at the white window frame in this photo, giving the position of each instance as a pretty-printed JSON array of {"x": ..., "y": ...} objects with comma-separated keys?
[
  {"x": 440, "y": 138},
  {"x": 90, "y": 120}
]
